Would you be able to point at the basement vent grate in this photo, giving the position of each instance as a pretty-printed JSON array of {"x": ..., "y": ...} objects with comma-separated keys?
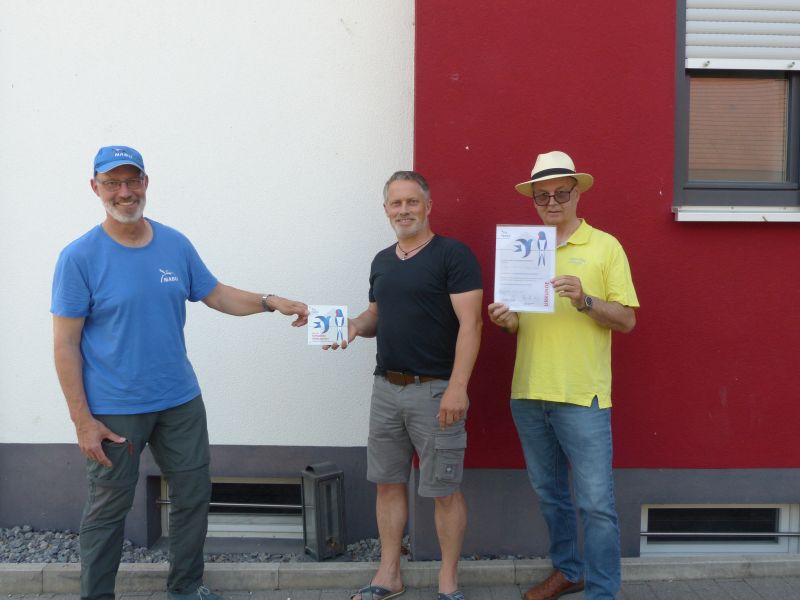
[
  {"x": 720, "y": 529},
  {"x": 249, "y": 508}
]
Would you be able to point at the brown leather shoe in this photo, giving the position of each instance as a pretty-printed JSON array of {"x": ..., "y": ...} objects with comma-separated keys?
[{"x": 555, "y": 586}]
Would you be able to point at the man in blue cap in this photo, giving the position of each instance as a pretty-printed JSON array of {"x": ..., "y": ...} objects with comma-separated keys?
[{"x": 119, "y": 307}]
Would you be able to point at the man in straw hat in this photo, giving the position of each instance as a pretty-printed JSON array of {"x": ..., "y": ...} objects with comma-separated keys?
[{"x": 561, "y": 390}]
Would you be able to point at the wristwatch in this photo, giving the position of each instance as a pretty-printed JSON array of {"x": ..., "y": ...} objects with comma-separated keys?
[
  {"x": 588, "y": 302},
  {"x": 264, "y": 304}
]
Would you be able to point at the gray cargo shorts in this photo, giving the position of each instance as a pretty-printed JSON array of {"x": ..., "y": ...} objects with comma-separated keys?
[{"x": 404, "y": 419}]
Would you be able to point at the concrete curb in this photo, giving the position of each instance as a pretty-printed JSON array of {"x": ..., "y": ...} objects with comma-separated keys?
[{"x": 136, "y": 577}]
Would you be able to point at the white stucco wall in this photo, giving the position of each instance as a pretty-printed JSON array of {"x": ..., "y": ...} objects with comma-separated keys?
[{"x": 267, "y": 129}]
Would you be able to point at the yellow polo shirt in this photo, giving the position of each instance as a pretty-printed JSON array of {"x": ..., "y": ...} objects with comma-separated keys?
[{"x": 565, "y": 356}]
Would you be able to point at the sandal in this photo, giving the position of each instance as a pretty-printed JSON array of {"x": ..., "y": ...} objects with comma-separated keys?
[
  {"x": 376, "y": 592},
  {"x": 457, "y": 595}
]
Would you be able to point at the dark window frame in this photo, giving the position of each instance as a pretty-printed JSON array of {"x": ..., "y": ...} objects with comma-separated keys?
[{"x": 729, "y": 194}]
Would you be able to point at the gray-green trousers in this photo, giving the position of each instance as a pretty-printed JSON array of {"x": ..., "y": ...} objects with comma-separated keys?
[{"x": 178, "y": 440}]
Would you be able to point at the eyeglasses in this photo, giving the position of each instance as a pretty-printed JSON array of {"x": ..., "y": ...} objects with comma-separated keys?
[
  {"x": 112, "y": 185},
  {"x": 561, "y": 196}
]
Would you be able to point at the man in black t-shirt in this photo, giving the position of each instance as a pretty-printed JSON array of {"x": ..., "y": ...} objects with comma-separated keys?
[{"x": 425, "y": 309}]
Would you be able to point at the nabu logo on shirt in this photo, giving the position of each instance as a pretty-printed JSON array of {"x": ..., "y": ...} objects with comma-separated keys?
[{"x": 168, "y": 276}]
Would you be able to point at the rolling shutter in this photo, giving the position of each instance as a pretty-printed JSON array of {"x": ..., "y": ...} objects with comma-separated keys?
[{"x": 743, "y": 34}]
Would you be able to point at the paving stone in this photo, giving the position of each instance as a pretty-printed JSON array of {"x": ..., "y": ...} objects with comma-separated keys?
[
  {"x": 794, "y": 585},
  {"x": 414, "y": 593},
  {"x": 473, "y": 592},
  {"x": 708, "y": 589},
  {"x": 238, "y": 595},
  {"x": 636, "y": 590},
  {"x": 751, "y": 588},
  {"x": 241, "y": 576},
  {"x": 773, "y": 588},
  {"x": 284, "y": 595},
  {"x": 21, "y": 578},
  {"x": 61, "y": 579},
  {"x": 420, "y": 574},
  {"x": 299, "y": 594},
  {"x": 506, "y": 592},
  {"x": 529, "y": 572},
  {"x": 134, "y": 577},
  {"x": 486, "y": 573},
  {"x": 672, "y": 590},
  {"x": 738, "y": 589},
  {"x": 346, "y": 575}
]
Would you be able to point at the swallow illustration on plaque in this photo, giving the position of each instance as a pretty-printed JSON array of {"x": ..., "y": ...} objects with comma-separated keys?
[
  {"x": 541, "y": 243},
  {"x": 339, "y": 324},
  {"x": 322, "y": 322},
  {"x": 523, "y": 245}
]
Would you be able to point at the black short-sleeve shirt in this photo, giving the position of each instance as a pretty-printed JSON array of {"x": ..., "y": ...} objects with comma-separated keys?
[{"x": 417, "y": 326}]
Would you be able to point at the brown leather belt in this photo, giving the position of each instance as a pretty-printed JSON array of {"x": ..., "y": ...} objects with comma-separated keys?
[{"x": 398, "y": 378}]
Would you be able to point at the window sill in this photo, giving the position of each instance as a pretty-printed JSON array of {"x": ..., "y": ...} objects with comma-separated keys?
[{"x": 738, "y": 214}]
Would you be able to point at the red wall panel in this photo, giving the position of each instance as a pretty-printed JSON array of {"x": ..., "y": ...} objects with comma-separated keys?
[{"x": 709, "y": 376}]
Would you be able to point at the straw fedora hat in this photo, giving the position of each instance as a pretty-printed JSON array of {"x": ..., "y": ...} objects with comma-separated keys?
[{"x": 551, "y": 165}]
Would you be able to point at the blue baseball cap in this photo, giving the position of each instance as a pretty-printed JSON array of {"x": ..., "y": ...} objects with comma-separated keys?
[{"x": 111, "y": 157}]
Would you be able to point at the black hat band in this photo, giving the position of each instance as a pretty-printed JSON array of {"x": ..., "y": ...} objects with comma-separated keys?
[{"x": 555, "y": 171}]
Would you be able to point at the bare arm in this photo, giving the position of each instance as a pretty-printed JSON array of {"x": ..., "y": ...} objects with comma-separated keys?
[
  {"x": 69, "y": 367},
  {"x": 233, "y": 301},
  {"x": 455, "y": 401},
  {"x": 613, "y": 315},
  {"x": 364, "y": 325}
]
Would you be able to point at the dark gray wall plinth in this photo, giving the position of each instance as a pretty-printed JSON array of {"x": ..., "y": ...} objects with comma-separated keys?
[
  {"x": 44, "y": 485},
  {"x": 504, "y": 515}
]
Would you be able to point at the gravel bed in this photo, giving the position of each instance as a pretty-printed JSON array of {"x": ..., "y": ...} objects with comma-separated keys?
[{"x": 23, "y": 544}]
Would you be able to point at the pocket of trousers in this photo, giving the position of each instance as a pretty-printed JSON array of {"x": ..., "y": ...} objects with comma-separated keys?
[
  {"x": 449, "y": 455},
  {"x": 124, "y": 469}
]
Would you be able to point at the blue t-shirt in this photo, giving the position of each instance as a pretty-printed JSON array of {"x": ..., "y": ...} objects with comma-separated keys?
[{"x": 134, "y": 304}]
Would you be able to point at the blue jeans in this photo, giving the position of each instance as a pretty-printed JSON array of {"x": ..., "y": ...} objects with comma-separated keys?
[{"x": 556, "y": 436}]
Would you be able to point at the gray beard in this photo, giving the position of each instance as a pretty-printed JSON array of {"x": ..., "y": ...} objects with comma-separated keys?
[
  {"x": 125, "y": 218},
  {"x": 405, "y": 234}
]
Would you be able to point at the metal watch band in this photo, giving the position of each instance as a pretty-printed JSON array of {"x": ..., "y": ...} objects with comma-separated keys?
[{"x": 264, "y": 303}]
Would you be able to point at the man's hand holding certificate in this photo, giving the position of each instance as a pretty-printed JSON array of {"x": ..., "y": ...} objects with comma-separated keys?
[
  {"x": 327, "y": 324},
  {"x": 525, "y": 264}
]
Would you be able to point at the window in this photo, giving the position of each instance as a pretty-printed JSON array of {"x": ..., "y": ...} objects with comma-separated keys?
[
  {"x": 248, "y": 508},
  {"x": 737, "y": 128},
  {"x": 720, "y": 529},
  {"x": 737, "y": 134}
]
